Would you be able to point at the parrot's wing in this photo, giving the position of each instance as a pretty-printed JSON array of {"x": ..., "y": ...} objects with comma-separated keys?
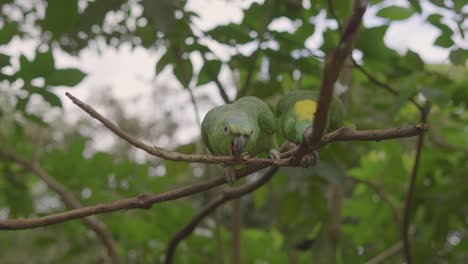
[{"x": 266, "y": 119}]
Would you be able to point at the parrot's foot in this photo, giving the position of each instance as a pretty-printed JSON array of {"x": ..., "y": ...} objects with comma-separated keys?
[
  {"x": 309, "y": 159},
  {"x": 230, "y": 175},
  {"x": 274, "y": 154},
  {"x": 245, "y": 156}
]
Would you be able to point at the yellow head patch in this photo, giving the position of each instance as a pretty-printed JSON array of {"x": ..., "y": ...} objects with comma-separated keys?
[{"x": 305, "y": 109}]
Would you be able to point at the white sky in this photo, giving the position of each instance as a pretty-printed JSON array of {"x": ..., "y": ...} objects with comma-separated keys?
[{"x": 129, "y": 72}]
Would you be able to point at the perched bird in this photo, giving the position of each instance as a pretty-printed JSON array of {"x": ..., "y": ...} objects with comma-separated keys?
[
  {"x": 296, "y": 110},
  {"x": 247, "y": 126}
]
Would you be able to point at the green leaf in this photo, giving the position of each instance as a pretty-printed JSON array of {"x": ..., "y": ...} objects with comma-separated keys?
[
  {"x": 35, "y": 119},
  {"x": 416, "y": 5},
  {"x": 230, "y": 34},
  {"x": 165, "y": 60},
  {"x": 395, "y": 12},
  {"x": 65, "y": 77},
  {"x": 184, "y": 72},
  {"x": 444, "y": 41},
  {"x": 459, "y": 56},
  {"x": 43, "y": 64},
  {"x": 26, "y": 69},
  {"x": 147, "y": 35},
  {"x": 4, "y": 60},
  {"x": 209, "y": 72},
  {"x": 436, "y": 95},
  {"x": 8, "y": 31},
  {"x": 371, "y": 42},
  {"x": 414, "y": 60},
  {"x": 51, "y": 98},
  {"x": 61, "y": 16}
]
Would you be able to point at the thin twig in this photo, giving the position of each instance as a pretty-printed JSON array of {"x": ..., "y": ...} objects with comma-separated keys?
[
  {"x": 411, "y": 190},
  {"x": 224, "y": 197},
  {"x": 69, "y": 200},
  {"x": 383, "y": 85},
  {"x": 383, "y": 195},
  {"x": 244, "y": 90},
  {"x": 369, "y": 76},
  {"x": 219, "y": 85},
  {"x": 386, "y": 254},
  {"x": 187, "y": 80}
]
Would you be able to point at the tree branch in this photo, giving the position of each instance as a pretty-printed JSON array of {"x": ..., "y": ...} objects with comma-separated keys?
[
  {"x": 383, "y": 195},
  {"x": 345, "y": 134},
  {"x": 219, "y": 85},
  {"x": 411, "y": 190},
  {"x": 164, "y": 154},
  {"x": 146, "y": 200},
  {"x": 369, "y": 76},
  {"x": 224, "y": 197},
  {"x": 69, "y": 200},
  {"x": 386, "y": 254},
  {"x": 383, "y": 85},
  {"x": 143, "y": 201},
  {"x": 333, "y": 66}
]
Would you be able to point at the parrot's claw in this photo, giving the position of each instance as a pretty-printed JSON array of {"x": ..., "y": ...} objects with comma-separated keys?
[
  {"x": 230, "y": 175},
  {"x": 310, "y": 159},
  {"x": 274, "y": 154},
  {"x": 245, "y": 156}
]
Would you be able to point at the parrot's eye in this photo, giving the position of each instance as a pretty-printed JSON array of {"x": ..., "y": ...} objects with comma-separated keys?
[{"x": 225, "y": 129}]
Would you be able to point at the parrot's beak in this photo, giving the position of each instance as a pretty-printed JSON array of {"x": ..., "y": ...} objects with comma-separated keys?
[{"x": 237, "y": 146}]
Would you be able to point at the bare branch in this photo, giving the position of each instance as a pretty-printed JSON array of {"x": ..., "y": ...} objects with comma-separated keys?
[
  {"x": 143, "y": 201},
  {"x": 69, "y": 200},
  {"x": 164, "y": 154},
  {"x": 333, "y": 66},
  {"x": 411, "y": 190},
  {"x": 226, "y": 196},
  {"x": 386, "y": 254},
  {"x": 350, "y": 134},
  {"x": 346, "y": 134}
]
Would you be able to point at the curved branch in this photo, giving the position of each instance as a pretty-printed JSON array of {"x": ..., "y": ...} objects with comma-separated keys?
[
  {"x": 143, "y": 201},
  {"x": 333, "y": 66},
  {"x": 164, "y": 154},
  {"x": 69, "y": 200},
  {"x": 224, "y": 197}
]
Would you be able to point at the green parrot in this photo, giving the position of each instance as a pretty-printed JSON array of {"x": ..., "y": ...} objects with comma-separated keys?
[
  {"x": 296, "y": 110},
  {"x": 245, "y": 126}
]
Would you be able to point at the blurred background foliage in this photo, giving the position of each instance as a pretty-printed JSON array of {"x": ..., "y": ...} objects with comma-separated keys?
[{"x": 284, "y": 221}]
